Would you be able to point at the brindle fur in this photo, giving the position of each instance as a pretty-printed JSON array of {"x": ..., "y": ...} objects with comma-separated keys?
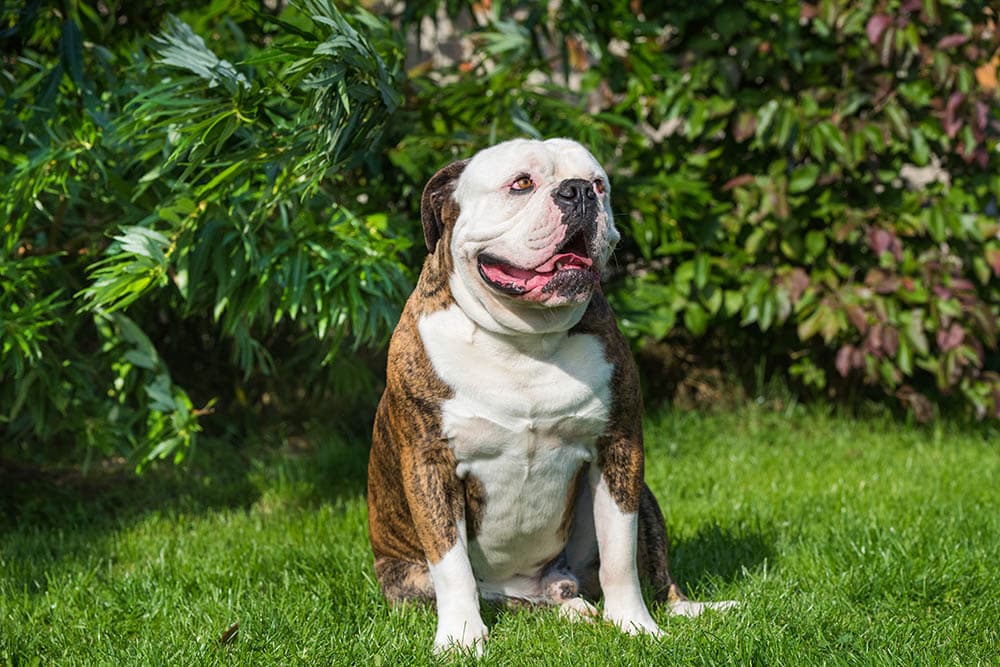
[
  {"x": 416, "y": 500},
  {"x": 414, "y": 497}
]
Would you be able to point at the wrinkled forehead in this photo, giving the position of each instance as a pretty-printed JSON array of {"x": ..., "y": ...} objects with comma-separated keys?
[{"x": 553, "y": 160}]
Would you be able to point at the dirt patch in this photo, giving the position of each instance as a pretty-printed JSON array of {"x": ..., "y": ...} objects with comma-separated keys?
[{"x": 688, "y": 376}]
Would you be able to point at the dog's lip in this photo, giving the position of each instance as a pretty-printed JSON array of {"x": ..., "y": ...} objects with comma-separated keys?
[{"x": 514, "y": 280}]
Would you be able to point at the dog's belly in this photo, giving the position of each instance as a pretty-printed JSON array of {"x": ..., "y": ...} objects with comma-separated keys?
[
  {"x": 522, "y": 423},
  {"x": 523, "y": 522}
]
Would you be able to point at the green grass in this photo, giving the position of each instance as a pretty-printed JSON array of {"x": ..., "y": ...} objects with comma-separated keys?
[{"x": 847, "y": 540}]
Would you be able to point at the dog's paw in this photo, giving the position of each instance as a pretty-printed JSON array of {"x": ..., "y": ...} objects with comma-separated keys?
[
  {"x": 465, "y": 635},
  {"x": 560, "y": 587},
  {"x": 633, "y": 621},
  {"x": 577, "y": 609},
  {"x": 692, "y": 609}
]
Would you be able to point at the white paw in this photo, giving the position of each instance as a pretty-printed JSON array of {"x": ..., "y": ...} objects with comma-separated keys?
[
  {"x": 692, "y": 609},
  {"x": 633, "y": 621},
  {"x": 577, "y": 609},
  {"x": 463, "y": 635}
]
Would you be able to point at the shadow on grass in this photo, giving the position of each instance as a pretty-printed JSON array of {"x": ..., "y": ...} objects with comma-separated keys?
[
  {"x": 713, "y": 557},
  {"x": 56, "y": 517},
  {"x": 320, "y": 466}
]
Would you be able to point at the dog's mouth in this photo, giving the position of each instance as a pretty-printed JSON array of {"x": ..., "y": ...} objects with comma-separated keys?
[{"x": 568, "y": 272}]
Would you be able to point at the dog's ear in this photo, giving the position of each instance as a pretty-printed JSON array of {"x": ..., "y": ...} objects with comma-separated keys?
[{"x": 437, "y": 205}]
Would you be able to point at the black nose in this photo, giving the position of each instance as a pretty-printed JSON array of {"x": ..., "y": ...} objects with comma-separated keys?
[{"x": 575, "y": 190}]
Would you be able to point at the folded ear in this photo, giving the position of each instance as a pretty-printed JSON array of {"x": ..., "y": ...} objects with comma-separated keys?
[{"x": 437, "y": 208}]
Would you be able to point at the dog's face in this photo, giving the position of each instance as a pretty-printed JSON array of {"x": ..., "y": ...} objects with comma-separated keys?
[{"x": 532, "y": 235}]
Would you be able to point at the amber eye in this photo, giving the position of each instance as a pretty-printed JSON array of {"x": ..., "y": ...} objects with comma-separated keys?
[
  {"x": 599, "y": 186},
  {"x": 522, "y": 183}
]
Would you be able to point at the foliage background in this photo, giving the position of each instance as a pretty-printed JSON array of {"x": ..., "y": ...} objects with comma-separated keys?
[{"x": 208, "y": 212}]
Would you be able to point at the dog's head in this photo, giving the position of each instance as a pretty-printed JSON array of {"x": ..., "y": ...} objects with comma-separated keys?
[{"x": 529, "y": 230}]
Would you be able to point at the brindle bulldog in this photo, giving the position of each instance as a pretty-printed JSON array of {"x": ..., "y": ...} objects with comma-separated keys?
[{"x": 507, "y": 456}]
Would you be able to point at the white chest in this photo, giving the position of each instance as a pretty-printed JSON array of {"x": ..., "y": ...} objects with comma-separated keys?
[{"x": 524, "y": 419}]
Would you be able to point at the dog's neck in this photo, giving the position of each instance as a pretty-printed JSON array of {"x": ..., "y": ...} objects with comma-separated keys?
[{"x": 499, "y": 316}]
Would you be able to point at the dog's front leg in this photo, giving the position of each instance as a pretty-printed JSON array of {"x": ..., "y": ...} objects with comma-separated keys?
[
  {"x": 436, "y": 499},
  {"x": 616, "y": 498}
]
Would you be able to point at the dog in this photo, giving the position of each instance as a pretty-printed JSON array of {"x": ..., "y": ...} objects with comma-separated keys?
[{"x": 507, "y": 454}]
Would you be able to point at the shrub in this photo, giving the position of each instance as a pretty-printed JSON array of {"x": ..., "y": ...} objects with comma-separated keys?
[
  {"x": 820, "y": 178},
  {"x": 164, "y": 206},
  {"x": 191, "y": 224}
]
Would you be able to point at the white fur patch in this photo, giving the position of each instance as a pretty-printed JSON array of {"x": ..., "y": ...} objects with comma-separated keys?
[
  {"x": 524, "y": 420},
  {"x": 578, "y": 610},
  {"x": 616, "y": 542},
  {"x": 459, "y": 621},
  {"x": 692, "y": 609}
]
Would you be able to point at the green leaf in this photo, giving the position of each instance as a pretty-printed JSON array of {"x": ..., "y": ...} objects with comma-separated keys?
[
  {"x": 904, "y": 357},
  {"x": 713, "y": 299},
  {"x": 921, "y": 151},
  {"x": 160, "y": 391},
  {"x": 701, "y": 270},
  {"x": 786, "y": 127},
  {"x": 765, "y": 117},
  {"x": 144, "y": 242},
  {"x": 684, "y": 275},
  {"x": 520, "y": 119},
  {"x": 180, "y": 47},
  {"x": 810, "y": 326},
  {"x": 163, "y": 449},
  {"x": 888, "y": 373},
  {"x": 981, "y": 269},
  {"x": 661, "y": 322},
  {"x": 898, "y": 118},
  {"x": 803, "y": 178},
  {"x": 219, "y": 178},
  {"x": 782, "y": 303},
  {"x": 913, "y": 330},
  {"x": 767, "y": 312},
  {"x": 140, "y": 359},
  {"x": 815, "y": 244},
  {"x": 732, "y": 302},
  {"x": 833, "y": 138},
  {"x": 936, "y": 223},
  {"x": 695, "y": 318},
  {"x": 71, "y": 50},
  {"x": 754, "y": 240}
]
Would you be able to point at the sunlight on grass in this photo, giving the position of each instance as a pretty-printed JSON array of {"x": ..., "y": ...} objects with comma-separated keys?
[{"x": 846, "y": 540}]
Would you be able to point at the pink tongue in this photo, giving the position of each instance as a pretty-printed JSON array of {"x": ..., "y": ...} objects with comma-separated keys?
[{"x": 530, "y": 279}]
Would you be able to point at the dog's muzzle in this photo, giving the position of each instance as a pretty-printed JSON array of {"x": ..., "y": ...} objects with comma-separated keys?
[{"x": 569, "y": 272}]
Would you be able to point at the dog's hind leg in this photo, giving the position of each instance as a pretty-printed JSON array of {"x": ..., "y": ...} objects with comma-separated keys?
[
  {"x": 653, "y": 562},
  {"x": 651, "y": 556},
  {"x": 403, "y": 580}
]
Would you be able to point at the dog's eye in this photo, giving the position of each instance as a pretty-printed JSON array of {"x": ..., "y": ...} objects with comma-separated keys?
[
  {"x": 522, "y": 184},
  {"x": 599, "y": 186}
]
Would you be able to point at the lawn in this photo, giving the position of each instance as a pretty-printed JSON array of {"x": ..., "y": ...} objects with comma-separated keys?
[{"x": 848, "y": 541}]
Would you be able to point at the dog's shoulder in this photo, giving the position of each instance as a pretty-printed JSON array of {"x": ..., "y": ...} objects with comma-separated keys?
[
  {"x": 410, "y": 374},
  {"x": 599, "y": 321},
  {"x": 626, "y": 392}
]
